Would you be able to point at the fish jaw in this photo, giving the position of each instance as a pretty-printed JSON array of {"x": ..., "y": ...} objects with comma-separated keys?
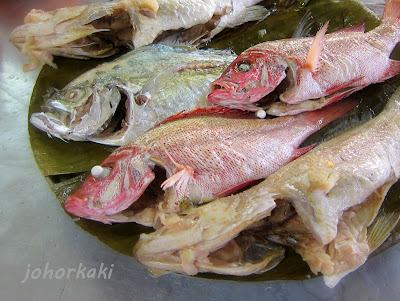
[
  {"x": 251, "y": 76},
  {"x": 103, "y": 199},
  {"x": 78, "y": 113}
]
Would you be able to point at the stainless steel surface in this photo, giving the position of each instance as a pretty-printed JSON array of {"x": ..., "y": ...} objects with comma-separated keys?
[{"x": 37, "y": 236}]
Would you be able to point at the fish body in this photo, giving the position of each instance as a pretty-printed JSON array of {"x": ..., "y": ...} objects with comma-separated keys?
[
  {"x": 202, "y": 240},
  {"x": 309, "y": 73},
  {"x": 325, "y": 201},
  {"x": 337, "y": 189},
  {"x": 120, "y": 100},
  {"x": 204, "y": 156},
  {"x": 98, "y": 29}
]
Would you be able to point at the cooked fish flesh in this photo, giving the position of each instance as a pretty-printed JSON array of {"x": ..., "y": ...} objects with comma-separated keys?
[{"x": 97, "y": 29}]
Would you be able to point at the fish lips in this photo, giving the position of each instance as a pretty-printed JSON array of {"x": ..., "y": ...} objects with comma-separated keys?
[
  {"x": 88, "y": 119},
  {"x": 105, "y": 199},
  {"x": 50, "y": 124},
  {"x": 228, "y": 95}
]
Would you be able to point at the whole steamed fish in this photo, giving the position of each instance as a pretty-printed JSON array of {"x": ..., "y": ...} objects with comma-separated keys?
[
  {"x": 120, "y": 100},
  {"x": 204, "y": 156},
  {"x": 320, "y": 204},
  {"x": 97, "y": 29},
  {"x": 309, "y": 73}
]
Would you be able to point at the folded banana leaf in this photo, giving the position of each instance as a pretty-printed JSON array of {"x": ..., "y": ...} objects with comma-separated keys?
[{"x": 65, "y": 165}]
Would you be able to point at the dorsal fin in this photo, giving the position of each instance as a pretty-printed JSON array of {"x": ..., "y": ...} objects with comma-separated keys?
[
  {"x": 312, "y": 59},
  {"x": 209, "y": 111},
  {"x": 359, "y": 27}
]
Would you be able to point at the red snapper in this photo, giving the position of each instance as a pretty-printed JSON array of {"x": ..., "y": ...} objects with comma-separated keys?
[{"x": 311, "y": 72}]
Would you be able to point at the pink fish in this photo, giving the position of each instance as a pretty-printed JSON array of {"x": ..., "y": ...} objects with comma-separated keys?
[
  {"x": 309, "y": 73},
  {"x": 204, "y": 155}
]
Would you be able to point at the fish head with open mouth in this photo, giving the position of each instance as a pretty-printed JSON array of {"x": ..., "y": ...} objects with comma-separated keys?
[
  {"x": 112, "y": 186},
  {"x": 82, "y": 112},
  {"x": 251, "y": 76}
]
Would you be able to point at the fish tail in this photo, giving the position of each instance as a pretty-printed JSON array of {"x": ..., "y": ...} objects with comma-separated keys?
[
  {"x": 330, "y": 113},
  {"x": 391, "y": 13}
]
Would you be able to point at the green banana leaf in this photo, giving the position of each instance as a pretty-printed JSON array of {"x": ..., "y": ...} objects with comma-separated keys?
[{"x": 66, "y": 164}]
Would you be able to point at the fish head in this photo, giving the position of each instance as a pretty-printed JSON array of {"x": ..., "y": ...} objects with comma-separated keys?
[
  {"x": 103, "y": 197},
  {"x": 251, "y": 76},
  {"x": 78, "y": 112}
]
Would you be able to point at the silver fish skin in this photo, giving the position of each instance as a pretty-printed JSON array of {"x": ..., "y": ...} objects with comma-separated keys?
[
  {"x": 120, "y": 100},
  {"x": 98, "y": 29}
]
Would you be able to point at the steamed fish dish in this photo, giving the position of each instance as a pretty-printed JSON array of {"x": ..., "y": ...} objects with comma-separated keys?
[
  {"x": 204, "y": 156},
  {"x": 309, "y": 73},
  {"x": 320, "y": 204},
  {"x": 120, "y": 100},
  {"x": 97, "y": 29}
]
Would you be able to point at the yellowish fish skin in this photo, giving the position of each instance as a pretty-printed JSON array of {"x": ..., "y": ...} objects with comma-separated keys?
[
  {"x": 97, "y": 29},
  {"x": 185, "y": 243},
  {"x": 341, "y": 172}
]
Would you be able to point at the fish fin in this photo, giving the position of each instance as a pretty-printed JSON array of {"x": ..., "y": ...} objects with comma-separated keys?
[
  {"x": 392, "y": 70},
  {"x": 312, "y": 60},
  {"x": 380, "y": 229},
  {"x": 391, "y": 13},
  {"x": 185, "y": 37},
  {"x": 208, "y": 111},
  {"x": 306, "y": 24},
  {"x": 329, "y": 113},
  {"x": 341, "y": 94},
  {"x": 252, "y": 13},
  {"x": 301, "y": 151},
  {"x": 179, "y": 179},
  {"x": 344, "y": 90},
  {"x": 357, "y": 28}
]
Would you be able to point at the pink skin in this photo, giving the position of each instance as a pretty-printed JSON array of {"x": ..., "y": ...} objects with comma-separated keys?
[
  {"x": 129, "y": 176},
  {"x": 250, "y": 77}
]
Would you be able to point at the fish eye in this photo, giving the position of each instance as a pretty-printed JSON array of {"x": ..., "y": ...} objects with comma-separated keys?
[{"x": 243, "y": 66}]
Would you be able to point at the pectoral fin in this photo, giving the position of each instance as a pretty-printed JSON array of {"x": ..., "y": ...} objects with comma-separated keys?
[
  {"x": 312, "y": 60},
  {"x": 180, "y": 179},
  {"x": 380, "y": 230}
]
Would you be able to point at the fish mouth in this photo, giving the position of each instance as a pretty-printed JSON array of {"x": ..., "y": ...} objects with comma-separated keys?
[
  {"x": 220, "y": 85},
  {"x": 226, "y": 95},
  {"x": 112, "y": 109},
  {"x": 142, "y": 211},
  {"x": 236, "y": 96}
]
